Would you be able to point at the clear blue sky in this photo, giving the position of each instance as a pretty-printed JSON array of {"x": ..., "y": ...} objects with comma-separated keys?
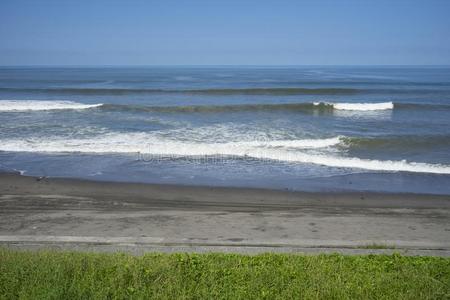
[{"x": 317, "y": 32}]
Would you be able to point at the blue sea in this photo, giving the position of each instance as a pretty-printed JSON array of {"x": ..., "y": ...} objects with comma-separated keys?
[{"x": 310, "y": 128}]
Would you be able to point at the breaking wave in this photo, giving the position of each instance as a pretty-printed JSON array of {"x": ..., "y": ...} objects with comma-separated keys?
[
  {"x": 359, "y": 106},
  {"x": 305, "y": 107},
  {"x": 294, "y": 151},
  {"x": 37, "y": 105},
  {"x": 42, "y": 105},
  {"x": 320, "y": 106}
]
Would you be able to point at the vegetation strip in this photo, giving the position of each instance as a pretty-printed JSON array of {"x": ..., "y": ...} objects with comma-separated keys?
[{"x": 76, "y": 275}]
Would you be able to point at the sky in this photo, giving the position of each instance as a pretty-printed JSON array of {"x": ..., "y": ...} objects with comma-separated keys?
[{"x": 166, "y": 32}]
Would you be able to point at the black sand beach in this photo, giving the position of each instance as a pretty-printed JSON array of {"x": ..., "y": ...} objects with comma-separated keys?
[{"x": 109, "y": 216}]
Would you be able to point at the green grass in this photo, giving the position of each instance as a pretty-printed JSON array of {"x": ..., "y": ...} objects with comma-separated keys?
[{"x": 71, "y": 275}]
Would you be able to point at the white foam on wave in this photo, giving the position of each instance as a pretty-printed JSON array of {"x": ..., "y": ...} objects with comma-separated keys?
[
  {"x": 151, "y": 144},
  {"x": 358, "y": 163},
  {"x": 272, "y": 150},
  {"x": 38, "y": 105},
  {"x": 302, "y": 144},
  {"x": 359, "y": 106}
]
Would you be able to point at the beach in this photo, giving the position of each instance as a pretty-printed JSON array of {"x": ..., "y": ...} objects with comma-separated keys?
[
  {"x": 78, "y": 214},
  {"x": 239, "y": 159}
]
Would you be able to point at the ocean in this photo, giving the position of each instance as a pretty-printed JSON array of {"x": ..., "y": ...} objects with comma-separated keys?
[{"x": 308, "y": 128}]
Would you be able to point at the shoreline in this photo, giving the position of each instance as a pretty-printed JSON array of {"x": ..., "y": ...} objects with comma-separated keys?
[
  {"x": 79, "y": 214},
  {"x": 24, "y": 184}
]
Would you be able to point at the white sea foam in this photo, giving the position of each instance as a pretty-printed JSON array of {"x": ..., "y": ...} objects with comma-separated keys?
[
  {"x": 151, "y": 144},
  {"x": 359, "y": 106},
  {"x": 303, "y": 144},
  {"x": 273, "y": 150},
  {"x": 38, "y": 105}
]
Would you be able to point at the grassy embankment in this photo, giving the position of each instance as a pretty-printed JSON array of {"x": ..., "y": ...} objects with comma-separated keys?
[{"x": 70, "y": 275}]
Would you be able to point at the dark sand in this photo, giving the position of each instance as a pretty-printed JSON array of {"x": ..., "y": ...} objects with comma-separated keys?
[{"x": 107, "y": 216}]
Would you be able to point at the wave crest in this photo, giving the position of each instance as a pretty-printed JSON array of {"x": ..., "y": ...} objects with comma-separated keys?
[
  {"x": 321, "y": 106},
  {"x": 359, "y": 106},
  {"x": 325, "y": 107},
  {"x": 262, "y": 150},
  {"x": 38, "y": 105}
]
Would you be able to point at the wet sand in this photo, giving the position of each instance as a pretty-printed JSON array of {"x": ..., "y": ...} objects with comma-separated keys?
[{"x": 108, "y": 216}]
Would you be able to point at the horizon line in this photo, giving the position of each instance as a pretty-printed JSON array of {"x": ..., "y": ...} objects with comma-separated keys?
[{"x": 226, "y": 65}]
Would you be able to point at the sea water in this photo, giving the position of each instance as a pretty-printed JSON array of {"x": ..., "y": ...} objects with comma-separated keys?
[{"x": 384, "y": 129}]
